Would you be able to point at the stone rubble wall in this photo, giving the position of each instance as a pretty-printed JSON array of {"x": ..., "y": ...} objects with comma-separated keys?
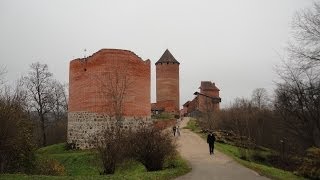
[{"x": 83, "y": 127}]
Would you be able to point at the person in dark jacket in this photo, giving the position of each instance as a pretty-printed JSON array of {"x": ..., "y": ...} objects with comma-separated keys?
[
  {"x": 210, "y": 141},
  {"x": 174, "y": 130}
]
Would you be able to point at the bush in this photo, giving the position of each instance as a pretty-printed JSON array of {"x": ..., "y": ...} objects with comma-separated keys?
[
  {"x": 311, "y": 165},
  {"x": 258, "y": 156},
  {"x": 16, "y": 142},
  {"x": 50, "y": 167},
  {"x": 70, "y": 146},
  {"x": 147, "y": 144},
  {"x": 152, "y": 146},
  {"x": 113, "y": 148}
]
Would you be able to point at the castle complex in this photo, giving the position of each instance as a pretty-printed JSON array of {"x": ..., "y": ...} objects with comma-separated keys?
[{"x": 116, "y": 83}]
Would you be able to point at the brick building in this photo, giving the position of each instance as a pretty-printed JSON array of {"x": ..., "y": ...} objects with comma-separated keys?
[
  {"x": 97, "y": 82},
  {"x": 167, "y": 84},
  {"x": 92, "y": 81},
  {"x": 208, "y": 100}
]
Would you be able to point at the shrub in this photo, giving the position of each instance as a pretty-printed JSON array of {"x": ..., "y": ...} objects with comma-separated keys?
[
  {"x": 50, "y": 167},
  {"x": 113, "y": 148},
  {"x": 16, "y": 141},
  {"x": 258, "y": 156},
  {"x": 244, "y": 153},
  {"x": 70, "y": 146},
  {"x": 152, "y": 146},
  {"x": 311, "y": 165}
]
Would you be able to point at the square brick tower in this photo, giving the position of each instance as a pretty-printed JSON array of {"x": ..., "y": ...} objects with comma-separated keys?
[
  {"x": 167, "y": 83},
  {"x": 210, "y": 89}
]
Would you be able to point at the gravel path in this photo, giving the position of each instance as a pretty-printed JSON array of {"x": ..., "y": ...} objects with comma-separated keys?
[{"x": 219, "y": 166}]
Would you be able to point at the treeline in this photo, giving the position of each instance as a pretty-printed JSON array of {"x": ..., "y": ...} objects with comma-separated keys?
[
  {"x": 288, "y": 121},
  {"x": 32, "y": 114},
  {"x": 292, "y": 114}
]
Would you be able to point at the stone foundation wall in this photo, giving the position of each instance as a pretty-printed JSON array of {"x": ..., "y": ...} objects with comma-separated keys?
[{"x": 84, "y": 127}]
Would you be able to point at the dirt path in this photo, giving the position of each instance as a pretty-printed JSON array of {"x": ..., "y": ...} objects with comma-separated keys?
[{"x": 204, "y": 166}]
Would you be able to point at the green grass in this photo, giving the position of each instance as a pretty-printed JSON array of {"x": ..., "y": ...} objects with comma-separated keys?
[
  {"x": 163, "y": 116},
  {"x": 233, "y": 152},
  {"x": 193, "y": 126},
  {"x": 83, "y": 164}
]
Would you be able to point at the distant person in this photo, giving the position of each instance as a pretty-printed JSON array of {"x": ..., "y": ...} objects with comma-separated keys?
[
  {"x": 178, "y": 131},
  {"x": 174, "y": 130},
  {"x": 210, "y": 140}
]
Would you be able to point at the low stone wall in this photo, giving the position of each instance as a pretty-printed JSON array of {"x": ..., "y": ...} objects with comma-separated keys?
[{"x": 84, "y": 127}]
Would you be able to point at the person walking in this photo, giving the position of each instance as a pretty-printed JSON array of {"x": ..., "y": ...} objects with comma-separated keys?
[
  {"x": 174, "y": 130},
  {"x": 210, "y": 140},
  {"x": 178, "y": 131}
]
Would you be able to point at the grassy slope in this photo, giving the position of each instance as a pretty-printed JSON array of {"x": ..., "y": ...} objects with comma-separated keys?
[
  {"x": 233, "y": 152},
  {"x": 84, "y": 165}
]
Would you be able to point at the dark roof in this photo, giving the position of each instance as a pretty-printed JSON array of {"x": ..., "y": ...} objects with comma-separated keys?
[
  {"x": 187, "y": 103},
  {"x": 208, "y": 85},
  {"x": 167, "y": 57}
]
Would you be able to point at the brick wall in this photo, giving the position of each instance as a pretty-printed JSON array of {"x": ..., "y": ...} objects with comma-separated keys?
[
  {"x": 205, "y": 102},
  {"x": 167, "y": 82},
  {"x": 88, "y": 78},
  {"x": 89, "y": 100}
]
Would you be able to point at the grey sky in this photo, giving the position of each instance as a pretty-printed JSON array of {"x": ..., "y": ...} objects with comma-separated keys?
[{"x": 234, "y": 43}]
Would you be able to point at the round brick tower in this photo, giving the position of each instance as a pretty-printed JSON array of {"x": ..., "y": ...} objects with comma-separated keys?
[
  {"x": 96, "y": 84},
  {"x": 167, "y": 83}
]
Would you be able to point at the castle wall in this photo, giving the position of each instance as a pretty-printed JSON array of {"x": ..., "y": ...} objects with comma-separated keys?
[
  {"x": 85, "y": 127},
  {"x": 90, "y": 82},
  {"x": 205, "y": 103},
  {"x": 167, "y": 82}
]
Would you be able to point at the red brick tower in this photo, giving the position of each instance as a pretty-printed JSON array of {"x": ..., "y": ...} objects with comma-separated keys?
[{"x": 167, "y": 75}]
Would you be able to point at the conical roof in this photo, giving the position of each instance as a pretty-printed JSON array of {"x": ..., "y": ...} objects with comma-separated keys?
[{"x": 167, "y": 57}]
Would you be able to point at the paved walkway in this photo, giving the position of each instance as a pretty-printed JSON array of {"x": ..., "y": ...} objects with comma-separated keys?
[{"x": 220, "y": 167}]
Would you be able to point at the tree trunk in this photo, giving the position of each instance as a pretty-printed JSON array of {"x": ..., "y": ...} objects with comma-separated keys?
[
  {"x": 316, "y": 136},
  {"x": 44, "y": 140}
]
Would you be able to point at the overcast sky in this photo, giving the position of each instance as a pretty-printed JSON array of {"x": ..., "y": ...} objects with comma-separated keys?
[{"x": 234, "y": 43}]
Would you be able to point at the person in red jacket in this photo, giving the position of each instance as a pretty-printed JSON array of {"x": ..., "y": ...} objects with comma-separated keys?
[{"x": 210, "y": 140}]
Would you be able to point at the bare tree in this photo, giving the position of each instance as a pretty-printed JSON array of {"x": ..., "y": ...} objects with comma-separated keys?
[
  {"x": 305, "y": 46},
  {"x": 59, "y": 100},
  {"x": 2, "y": 74},
  {"x": 56, "y": 130},
  {"x": 114, "y": 88},
  {"x": 260, "y": 98},
  {"x": 298, "y": 95},
  {"x": 38, "y": 84}
]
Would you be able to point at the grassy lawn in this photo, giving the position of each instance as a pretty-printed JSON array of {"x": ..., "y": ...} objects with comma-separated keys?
[
  {"x": 233, "y": 152},
  {"x": 83, "y": 164}
]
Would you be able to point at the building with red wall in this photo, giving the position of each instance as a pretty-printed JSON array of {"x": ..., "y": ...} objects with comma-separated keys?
[
  {"x": 208, "y": 100},
  {"x": 167, "y": 83},
  {"x": 92, "y": 79}
]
